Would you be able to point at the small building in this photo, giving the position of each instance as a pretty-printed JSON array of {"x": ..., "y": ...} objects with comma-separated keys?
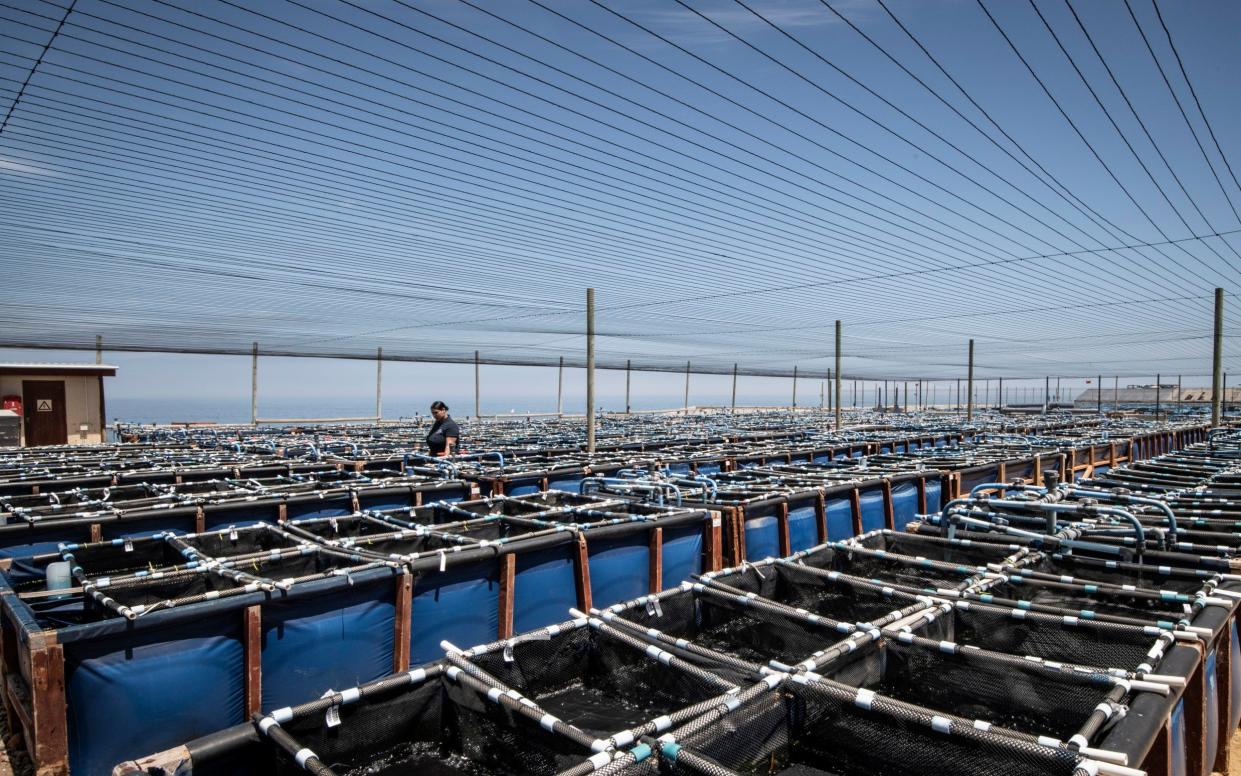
[
  {"x": 57, "y": 404},
  {"x": 1166, "y": 394}
]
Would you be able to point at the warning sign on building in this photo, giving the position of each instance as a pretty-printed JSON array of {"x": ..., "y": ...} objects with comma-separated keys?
[{"x": 44, "y": 405}]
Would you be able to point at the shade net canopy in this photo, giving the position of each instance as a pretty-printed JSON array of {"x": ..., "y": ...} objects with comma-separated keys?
[{"x": 435, "y": 179}]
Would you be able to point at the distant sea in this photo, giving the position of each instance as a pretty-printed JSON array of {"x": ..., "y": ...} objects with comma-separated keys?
[{"x": 237, "y": 410}]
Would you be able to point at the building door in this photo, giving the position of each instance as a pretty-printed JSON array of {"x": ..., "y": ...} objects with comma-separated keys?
[{"x": 43, "y": 410}]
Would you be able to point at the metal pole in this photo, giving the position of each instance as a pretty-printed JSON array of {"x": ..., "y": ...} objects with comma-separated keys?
[
  {"x": 379, "y": 382},
  {"x": 477, "y": 412},
  {"x": 822, "y": 394},
  {"x": 686, "y": 387},
  {"x": 1057, "y": 390},
  {"x": 590, "y": 371},
  {"x": 825, "y": 391},
  {"x": 1100, "y": 395},
  {"x": 627, "y": 373},
  {"x": 1116, "y": 393},
  {"x": 734, "y": 404},
  {"x": 1179, "y": 395},
  {"x": 254, "y": 385},
  {"x": 1158, "y": 379},
  {"x": 560, "y": 390},
  {"x": 969, "y": 394},
  {"x": 1217, "y": 358},
  {"x": 958, "y": 407},
  {"x": 1046, "y": 393},
  {"x": 999, "y": 399},
  {"x": 838, "y": 378},
  {"x": 794, "y": 386},
  {"x": 98, "y": 349},
  {"x": 906, "y": 408}
]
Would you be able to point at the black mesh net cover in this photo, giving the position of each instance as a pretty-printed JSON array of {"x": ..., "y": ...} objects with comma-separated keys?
[
  {"x": 1006, "y": 692},
  {"x": 815, "y": 729},
  {"x": 1017, "y": 632},
  {"x": 726, "y": 621},
  {"x": 428, "y": 729},
  {"x": 600, "y": 682}
]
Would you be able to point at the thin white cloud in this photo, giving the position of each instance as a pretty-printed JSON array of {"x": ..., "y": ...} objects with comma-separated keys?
[
  {"x": 23, "y": 168},
  {"x": 685, "y": 27}
]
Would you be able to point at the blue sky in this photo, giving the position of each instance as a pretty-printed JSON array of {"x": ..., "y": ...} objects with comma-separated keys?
[{"x": 440, "y": 177}]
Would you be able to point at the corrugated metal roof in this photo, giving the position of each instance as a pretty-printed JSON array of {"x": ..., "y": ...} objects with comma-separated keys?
[{"x": 53, "y": 364}]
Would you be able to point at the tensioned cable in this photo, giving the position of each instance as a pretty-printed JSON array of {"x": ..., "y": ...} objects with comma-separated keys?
[
  {"x": 1176, "y": 99},
  {"x": 1094, "y": 152},
  {"x": 46, "y": 47},
  {"x": 1142, "y": 124},
  {"x": 1193, "y": 92}
]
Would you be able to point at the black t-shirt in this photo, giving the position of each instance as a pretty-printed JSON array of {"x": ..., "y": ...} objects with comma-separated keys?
[{"x": 437, "y": 439}]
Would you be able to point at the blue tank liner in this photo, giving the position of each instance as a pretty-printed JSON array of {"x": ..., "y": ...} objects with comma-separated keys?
[
  {"x": 460, "y": 604},
  {"x": 934, "y": 491},
  {"x": 135, "y": 691},
  {"x": 762, "y": 533},
  {"x": 874, "y": 511},
  {"x": 976, "y": 475},
  {"x": 38, "y": 540},
  {"x": 616, "y": 568},
  {"x": 182, "y": 522},
  {"x": 1179, "y": 765},
  {"x": 323, "y": 507},
  {"x": 333, "y": 640},
  {"x": 568, "y": 484},
  {"x": 682, "y": 554},
  {"x": 522, "y": 488},
  {"x": 839, "y": 518},
  {"x": 1234, "y": 686},
  {"x": 388, "y": 499},
  {"x": 544, "y": 589},
  {"x": 803, "y": 525},
  {"x": 224, "y": 515},
  {"x": 904, "y": 503},
  {"x": 1211, "y": 717}
]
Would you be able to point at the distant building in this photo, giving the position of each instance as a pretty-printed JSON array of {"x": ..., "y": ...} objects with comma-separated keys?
[
  {"x": 1146, "y": 394},
  {"x": 57, "y": 404}
]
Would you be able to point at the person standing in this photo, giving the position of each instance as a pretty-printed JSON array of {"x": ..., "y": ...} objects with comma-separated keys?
[{"x": 444, "y": 435}]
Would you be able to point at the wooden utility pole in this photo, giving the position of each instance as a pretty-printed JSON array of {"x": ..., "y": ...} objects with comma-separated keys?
[
  {"x": 560, "y": 390},
  {"x": 686, "y": 387},
  {"x": 1217, "y": 359},
  {"x": 628, "y": 368},
  {"x": 379, "y": 382},
  {"x": 838, "y": 378},
  {"x": 254, "y": 385},
  {"x": 969, "y": 391},
  {"x": 590, "y": 370},
  {"x": 733, "y": 406}
]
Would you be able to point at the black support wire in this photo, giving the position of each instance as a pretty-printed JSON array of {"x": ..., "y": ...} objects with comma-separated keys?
[{"x": 33, "y": 68}]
